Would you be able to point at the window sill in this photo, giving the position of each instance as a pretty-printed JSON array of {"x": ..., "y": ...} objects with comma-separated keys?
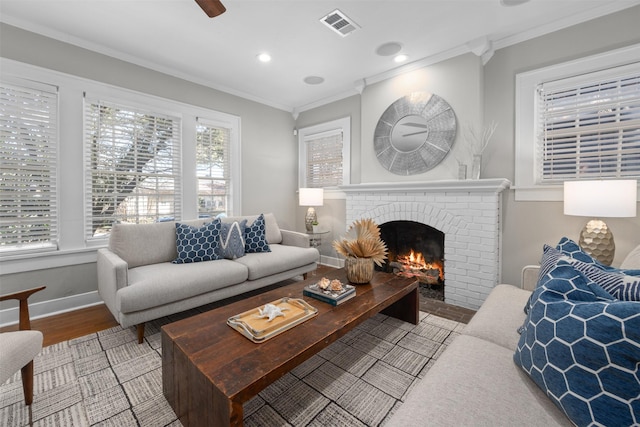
[{"x": 540, "y": 193}]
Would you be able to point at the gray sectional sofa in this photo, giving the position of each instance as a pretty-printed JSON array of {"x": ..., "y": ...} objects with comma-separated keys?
[
  {"x": 138, "y": 282},
  {"x": 475, "y": 381}
]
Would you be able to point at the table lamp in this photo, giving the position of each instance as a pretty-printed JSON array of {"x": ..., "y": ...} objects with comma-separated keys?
[
  {"x": 600, "y": 199},
  {"x": 311, "y": 197}
]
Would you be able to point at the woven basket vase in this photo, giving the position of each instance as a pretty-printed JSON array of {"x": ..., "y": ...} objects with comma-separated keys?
[{"x": 359, "y": 270}]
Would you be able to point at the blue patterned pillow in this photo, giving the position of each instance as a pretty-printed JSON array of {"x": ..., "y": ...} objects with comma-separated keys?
[
  {"x": 572, "y": 249},
  {"x": 195, "y": 244},
  {"x": 255, "y": 239},
  {"x": 623, "y": 284},
  {"x": 232, "y": 239},
  {"x": 583, "y": 352},
  {"x": 550, "y": 259}
]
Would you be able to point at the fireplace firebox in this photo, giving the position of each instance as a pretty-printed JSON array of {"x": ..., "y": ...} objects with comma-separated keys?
[{"x": 415, "y": 250}]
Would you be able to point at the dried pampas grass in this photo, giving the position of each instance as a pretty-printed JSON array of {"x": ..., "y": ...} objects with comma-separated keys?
[{"x": 362, "y": 241}]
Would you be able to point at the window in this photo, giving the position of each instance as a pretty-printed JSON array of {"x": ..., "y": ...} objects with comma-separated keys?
[
  {"x": 590, "y": 126},
  {"x": 324, "y": 154},
  {"x": 213, "y": 168},
  {"x": 132, "y": 161},
  {"x": 578, "y": 120},
  {"x": 28, "y": 201}
]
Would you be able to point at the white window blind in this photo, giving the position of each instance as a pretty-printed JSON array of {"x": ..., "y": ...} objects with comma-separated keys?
[
  {"x": 589, "y": 126},
  {"x": 28, "y": 145},
  {"x": 324, "y": 160},
  {"x": 132, "y": 166},
  {"x": 213, "y": 168}
]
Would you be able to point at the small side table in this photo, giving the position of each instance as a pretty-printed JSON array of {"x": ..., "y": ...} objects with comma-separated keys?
[{"x": 315, "y": 238}]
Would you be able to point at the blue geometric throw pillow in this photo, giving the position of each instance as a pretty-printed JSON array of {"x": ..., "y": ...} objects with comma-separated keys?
[
  {"x": 572, "y": 249},
  {"x": 255, "y": 238},
  {"x": 550, "y": 259},
  {"x": 582, "y": 351},
  {"x": 196, "y": 244},
  {"x": 232, "y": 239},
  {"x": 623, "y": 284}
]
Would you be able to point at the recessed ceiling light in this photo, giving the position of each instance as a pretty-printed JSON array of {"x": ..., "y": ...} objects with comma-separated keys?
[
  {"x": 264, "y": 57},
  {"x": 400, "y": 58},
  {"x": 313, "y": 80},
  {"x": 389, "y": 49}
]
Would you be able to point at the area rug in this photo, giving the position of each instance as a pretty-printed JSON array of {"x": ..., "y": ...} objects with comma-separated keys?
[{"x": 108, "y": 379}]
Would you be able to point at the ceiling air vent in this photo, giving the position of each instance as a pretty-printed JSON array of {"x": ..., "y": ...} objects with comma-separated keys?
[{"x": 340, "y": 23}]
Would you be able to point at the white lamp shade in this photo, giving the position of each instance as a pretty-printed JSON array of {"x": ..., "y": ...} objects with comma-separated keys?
[
  {"x": 311, "y": 196},
  {"x": 601, "y": 199}
]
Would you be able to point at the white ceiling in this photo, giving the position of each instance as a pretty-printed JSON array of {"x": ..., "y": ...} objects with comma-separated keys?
[{"x": 176, "y": 37}]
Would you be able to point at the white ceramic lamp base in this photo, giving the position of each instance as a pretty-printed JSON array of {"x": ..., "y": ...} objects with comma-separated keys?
[{"x": 309, "y": 219}]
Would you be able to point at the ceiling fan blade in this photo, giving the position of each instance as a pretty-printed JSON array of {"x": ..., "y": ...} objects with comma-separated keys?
[{"x": 212, "y": 8}]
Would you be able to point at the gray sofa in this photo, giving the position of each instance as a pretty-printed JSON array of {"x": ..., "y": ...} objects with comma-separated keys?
[
  {"x": 475, "y": 381},
  {"x": 138, "y": 282}
]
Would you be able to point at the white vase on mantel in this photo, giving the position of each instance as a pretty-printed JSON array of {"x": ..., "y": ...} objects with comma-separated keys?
[{"x": 476, "y": 166}]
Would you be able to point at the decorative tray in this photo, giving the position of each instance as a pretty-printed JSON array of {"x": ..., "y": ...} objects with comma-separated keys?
[{"x": 284, "y": 313}]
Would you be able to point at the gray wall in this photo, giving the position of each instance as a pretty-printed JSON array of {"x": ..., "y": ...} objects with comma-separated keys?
[
  {"x": 269, "y": 150},
  {"x": 529, "y": 225},
  {"x": 485, "y": 94}
]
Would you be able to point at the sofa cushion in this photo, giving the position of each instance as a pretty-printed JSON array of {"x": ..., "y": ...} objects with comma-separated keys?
[
  {"x": 581, "y": 350},
  {"x": 255, "y": 239},
  {"x": 500, "y": 316},
  {"x": 163, "y": 283},
  {"x": 232, "y": 239},
  {"x": 475, "y": 383},
  {"x": 143, "y": 244},
  {"x": 281, "y": 258},
  {"x": 197, "y": 244}
]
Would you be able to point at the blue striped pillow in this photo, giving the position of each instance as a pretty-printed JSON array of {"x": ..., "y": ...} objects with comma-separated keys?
[{"x": 622, "y": 284}]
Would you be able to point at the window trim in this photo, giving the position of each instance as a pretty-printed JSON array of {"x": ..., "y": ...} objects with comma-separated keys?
[
  {"x": 343, "y": 125},
  {"x": 526, "y": 106}
]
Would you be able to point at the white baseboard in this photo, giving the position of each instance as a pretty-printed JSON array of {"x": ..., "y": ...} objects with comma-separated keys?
[
  {"x": 42, "y": 309},
  {"x": 331, "y": 261}
]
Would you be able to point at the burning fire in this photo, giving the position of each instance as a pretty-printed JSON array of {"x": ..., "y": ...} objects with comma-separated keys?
[{"x": 414, "y": 264}]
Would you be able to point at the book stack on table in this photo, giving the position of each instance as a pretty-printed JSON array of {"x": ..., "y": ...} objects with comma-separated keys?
[{"x": 335, "y": 296}]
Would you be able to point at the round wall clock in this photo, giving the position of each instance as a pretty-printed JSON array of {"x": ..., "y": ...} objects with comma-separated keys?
[{"x": 415, "y": 133}]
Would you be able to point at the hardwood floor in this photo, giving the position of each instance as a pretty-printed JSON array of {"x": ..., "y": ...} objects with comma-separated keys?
[{"x": 77, "y": 323}]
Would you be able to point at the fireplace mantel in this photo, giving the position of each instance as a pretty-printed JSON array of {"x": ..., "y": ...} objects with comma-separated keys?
[{"x": 468, "y": 186}]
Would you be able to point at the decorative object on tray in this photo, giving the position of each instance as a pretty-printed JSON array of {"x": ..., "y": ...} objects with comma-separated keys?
[
  {"x": 270, "y": 311},
  {"x": 333, "y": 292},
  {"x": 264, "y": 322},
  {"x": 362, "y": 247}
]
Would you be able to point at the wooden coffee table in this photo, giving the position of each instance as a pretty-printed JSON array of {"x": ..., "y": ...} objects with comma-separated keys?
[{"x": 209, "y": 370}]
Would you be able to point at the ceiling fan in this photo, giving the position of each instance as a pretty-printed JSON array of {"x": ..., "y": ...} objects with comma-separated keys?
[{"x": 212, "y": 8}]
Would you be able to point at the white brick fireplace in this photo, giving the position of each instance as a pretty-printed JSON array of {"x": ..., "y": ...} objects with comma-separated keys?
[{"x": 467, "y": 212}]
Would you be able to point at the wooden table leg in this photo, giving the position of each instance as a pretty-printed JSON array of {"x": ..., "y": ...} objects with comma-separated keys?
[{"x": 407, "y": 308}]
